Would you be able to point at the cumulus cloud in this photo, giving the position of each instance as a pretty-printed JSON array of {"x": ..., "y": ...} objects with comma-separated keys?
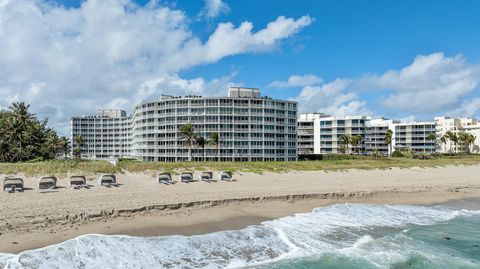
[
  {"x": 296, "y": 81},
  {"x": 430, "y": 84},
  {"x": 213, "y": 8},
  {"x": 72, "y": 61},
  {"x": 332, "y": 98}
]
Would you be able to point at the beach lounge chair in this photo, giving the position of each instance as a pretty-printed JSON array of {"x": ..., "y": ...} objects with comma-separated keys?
[
  {"x": 108, "y": 180},
  {"x": 165, "y": 178},
  {"x": 225, "y": 175},
  {"x": 45, "y": 183},
  {"x": 78, "y": 182},
  {"x": 186, "y": 177},
  {"x": 13, "y": 184},
  {"x": 206, "y": 176}
]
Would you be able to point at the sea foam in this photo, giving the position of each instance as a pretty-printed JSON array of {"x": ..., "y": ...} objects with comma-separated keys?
[{"x": 344, "y": 227}]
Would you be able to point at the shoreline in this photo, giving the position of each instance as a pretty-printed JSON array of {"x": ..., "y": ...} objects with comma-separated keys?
[
  {"x": 141, "y": 207},
  {"x": 196, "y": 220}
]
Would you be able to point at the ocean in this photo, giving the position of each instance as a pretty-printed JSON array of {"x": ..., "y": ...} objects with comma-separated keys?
[{"x": 337, "y": 236}]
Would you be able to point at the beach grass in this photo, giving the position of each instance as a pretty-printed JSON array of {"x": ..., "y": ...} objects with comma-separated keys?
[
  {"x": 58, "y": 167},
  {"x": 357, "y": 162}
]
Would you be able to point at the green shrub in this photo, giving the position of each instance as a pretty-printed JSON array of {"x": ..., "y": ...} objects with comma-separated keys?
[{"x": 397, "y": 154}]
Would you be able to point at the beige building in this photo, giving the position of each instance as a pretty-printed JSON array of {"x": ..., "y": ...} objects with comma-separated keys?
[{"x": 454, "y": 125}]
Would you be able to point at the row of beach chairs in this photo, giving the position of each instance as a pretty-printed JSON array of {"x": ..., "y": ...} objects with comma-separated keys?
[
  {"x": 187, "y": 177},
  {"x": 50, "y": 182},
  {"x": 108, "y": 180}
]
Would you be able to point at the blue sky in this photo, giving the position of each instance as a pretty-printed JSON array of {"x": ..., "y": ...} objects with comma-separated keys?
[{"x": 399, "y": 59}]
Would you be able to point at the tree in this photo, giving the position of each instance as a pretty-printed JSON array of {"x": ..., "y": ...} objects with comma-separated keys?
[
  {"x": 79, "y": 144},
  {"x": 356, "y": 141},
  {"x": 215, "y": 141},
  {"x": 432, "y": 137},
  {"x": 24, "y": 137},
  {"x": 452, "y": 138},
  {"x": 65, "y": 146},
  {"x": 444, "y": 140},
  {"x": 345, "y": 140},
  {"x": 201, "y": 142},
  {"x": 189, "y": 138},
  {"x": 388, "y": 140}
]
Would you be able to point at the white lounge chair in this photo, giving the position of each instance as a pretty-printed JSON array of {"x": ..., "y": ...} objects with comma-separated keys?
[
  {"x": 165, "y": 178},
  {"x": 225, "y": 175},
  {"x": 206, "y": 176},
  {"x": 78, "y": 182},
  {"x": 13, "y": 184},
  {"x": 108, "y": 180},
  {"x": 186, "y": 177},
  {"x": 45, "y": 183}
]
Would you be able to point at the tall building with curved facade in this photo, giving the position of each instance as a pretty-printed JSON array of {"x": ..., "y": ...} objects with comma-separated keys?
[{"x": 250, "y": 128}]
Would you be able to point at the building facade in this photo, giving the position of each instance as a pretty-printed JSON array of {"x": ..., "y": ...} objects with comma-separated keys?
[
  {"x": 250, "y": 128},
  {"x": 414, "y": 136},
  {"x": 375, "y": 133},
  {"x": 107, "y": 135},
  {"x": 474, "y": 129},
  {"x": 455, "y": 126},
  {"x": 322, "y": 134}
]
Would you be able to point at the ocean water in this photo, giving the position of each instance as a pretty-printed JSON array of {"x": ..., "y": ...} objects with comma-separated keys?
[{"x": 338, "y": 236}]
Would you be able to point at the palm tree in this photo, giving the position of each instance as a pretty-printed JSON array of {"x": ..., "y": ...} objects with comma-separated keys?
[
  {"x": 356, "y": 141},
  {"x": 451, "y": 137},
  {"x": 65, "y": 146},
  {"x": 444, "y": 140},
  {"x": 189, "y": 138},
  {"x": 388, "y": 140},
  {"x": 454, "y": 138},
  {"x": 345, "y": 140},
  {"x": 432, "y": 137},
  {"x": 215, "y": 141},
  {"x": 77, "y": 152},
  {"x": 20, "y": 122},
  {"x": 201, "y": 142}
]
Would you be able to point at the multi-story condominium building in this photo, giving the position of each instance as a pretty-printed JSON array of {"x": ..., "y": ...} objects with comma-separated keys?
[
  {"x": 453, "y": 125},
  {"x": 375, "y": 133},
  {"x": 322, "y": 134},
  {"x": 475, "y": 131},
  {"x": 106, "y": 135},
  {"x": 250, "y": 127},
  {"x": 414, "y": 136},
  {"x": 308, "y": 135}
]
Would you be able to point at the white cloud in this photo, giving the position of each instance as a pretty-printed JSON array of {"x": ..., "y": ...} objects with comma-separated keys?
[
  {"x": 431, "y": 84},
  {"x": 72, "y": 61},
  {"x": 468, "y": 108},
  {"x": 213, "y": 8},
  {"x": 332, "y": 98},
  {"x": 297, "y": 81}
]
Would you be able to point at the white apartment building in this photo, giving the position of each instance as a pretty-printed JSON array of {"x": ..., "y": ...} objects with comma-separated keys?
[
  {"x": 475, "y": 131},
  {"x": 107, "y": 135},
  {"x": 414, "y": 136},
  {"x": 375, "y": 133},
  {"x": 322, "y": 134},
  {"x": 251, "y": 128},
  {"x": 454, "y": 125}
]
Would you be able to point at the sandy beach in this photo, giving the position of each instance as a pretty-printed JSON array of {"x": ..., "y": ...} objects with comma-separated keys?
[{"x": 142, "y": 207}]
